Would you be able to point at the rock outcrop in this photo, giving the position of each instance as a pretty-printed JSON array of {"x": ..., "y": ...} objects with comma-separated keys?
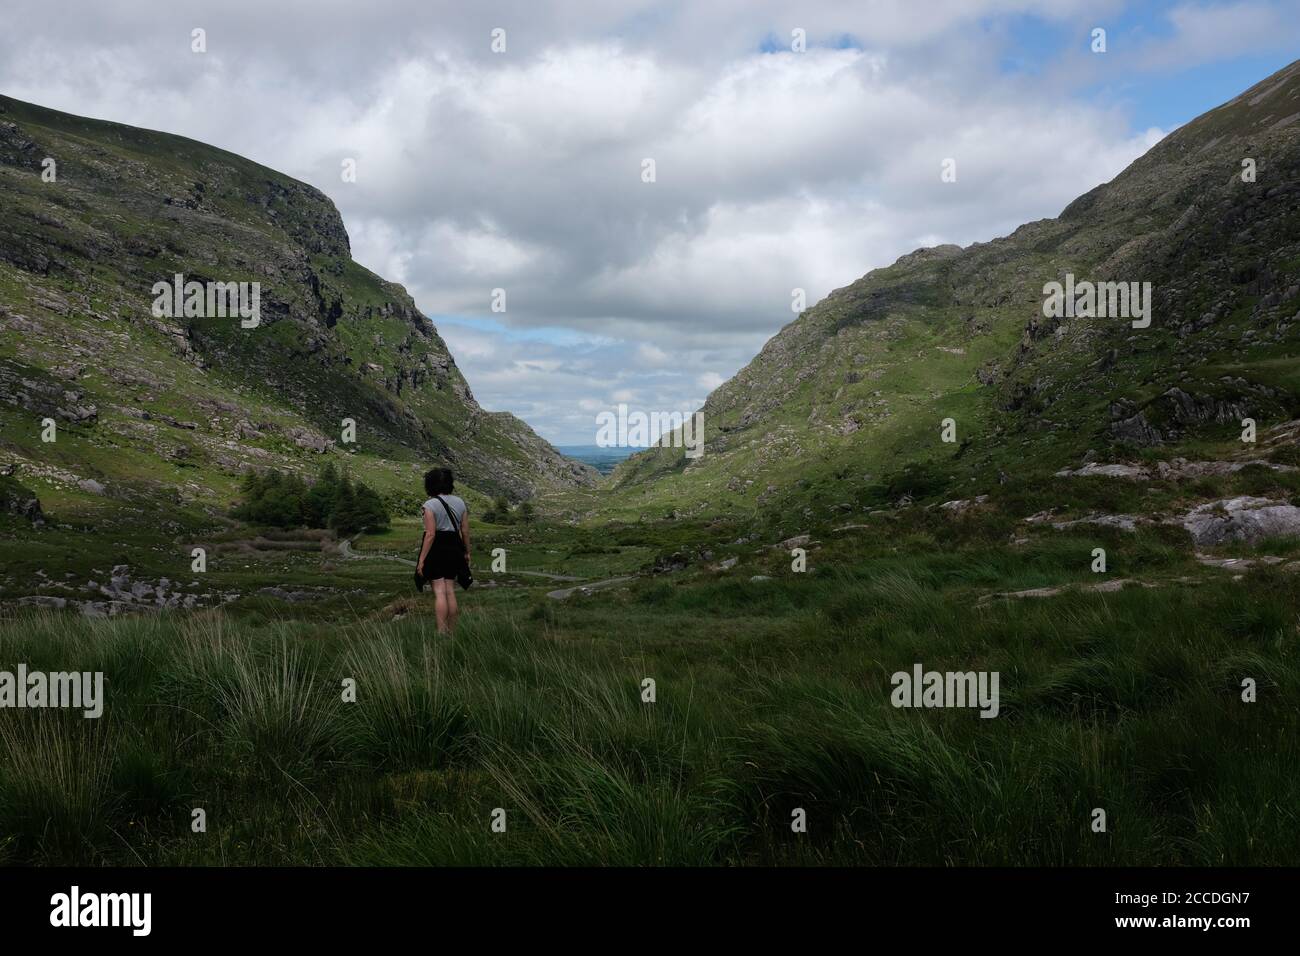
[{"x": 1247, "y": 520}]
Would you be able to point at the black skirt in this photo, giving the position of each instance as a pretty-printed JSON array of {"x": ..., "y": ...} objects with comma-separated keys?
[{"x": 445, "y": 558}]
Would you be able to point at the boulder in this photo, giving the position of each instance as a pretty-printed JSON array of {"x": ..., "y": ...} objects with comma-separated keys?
[
  {"x": 1243, "y": 519},
  {"x": 961, "y": 504},
  {"x": 78, "y": 413}
]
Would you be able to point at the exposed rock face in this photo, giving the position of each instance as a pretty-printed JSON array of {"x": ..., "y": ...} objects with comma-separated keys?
[
  {"x": 1244, "y": 519},
  {"x": 1177, "y": 411},
  {"x": 1194, "y": 409},
  {"x": 1135, "y": 431}
]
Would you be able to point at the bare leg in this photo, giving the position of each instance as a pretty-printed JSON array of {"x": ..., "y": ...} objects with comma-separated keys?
[
  {"x": 440, "y": 592},
  {"x": 453, "y": 612}
]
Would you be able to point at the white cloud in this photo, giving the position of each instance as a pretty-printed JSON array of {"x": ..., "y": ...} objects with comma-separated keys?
[
  {"x": 1203, "y": 33},
  {"x": 522, "y": 171}
]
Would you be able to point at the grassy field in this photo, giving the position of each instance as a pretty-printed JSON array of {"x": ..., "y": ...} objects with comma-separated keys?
[
  {"x": 1162, "y": 689},
  {"x": 770, "y": 695}
]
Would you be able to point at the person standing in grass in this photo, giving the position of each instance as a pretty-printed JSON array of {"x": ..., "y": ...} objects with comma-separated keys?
[{"x": 445, "y": 547}]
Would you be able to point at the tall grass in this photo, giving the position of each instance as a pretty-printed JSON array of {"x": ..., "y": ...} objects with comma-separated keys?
[
  {"x": 1130, "y": 702},
  {"x": 55, "y": 794}
]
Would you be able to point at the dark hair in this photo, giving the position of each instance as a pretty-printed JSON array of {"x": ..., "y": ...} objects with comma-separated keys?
[{"x": 438, "y": 481}]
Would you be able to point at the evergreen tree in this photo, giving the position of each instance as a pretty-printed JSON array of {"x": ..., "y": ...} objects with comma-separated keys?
[
  {"x": 371, "y": 511},
  {"x": 346, "y": 517},
  {"x": 501, "y": 510},
  {"x": 272, "y": 499},
  {"x": 320, "y": 499},
  {"x": 286, "y": 501},
  {"x": 250, "y": 486}
]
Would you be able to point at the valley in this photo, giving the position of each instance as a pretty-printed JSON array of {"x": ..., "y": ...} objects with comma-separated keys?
[{"x": 1113, "y": 530}]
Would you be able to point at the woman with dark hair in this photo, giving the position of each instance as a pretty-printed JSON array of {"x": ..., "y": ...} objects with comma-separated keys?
[{"x": 445, "y": 545}]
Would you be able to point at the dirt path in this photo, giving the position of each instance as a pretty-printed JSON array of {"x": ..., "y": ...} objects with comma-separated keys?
[
  {"x": 563, "y": 593},
  {"x": 345, "y": 550}
]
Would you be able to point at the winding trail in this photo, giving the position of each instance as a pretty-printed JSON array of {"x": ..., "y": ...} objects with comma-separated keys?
[
  {"x": 563, "y": 593},
  {"x": 345, "y": 550}
]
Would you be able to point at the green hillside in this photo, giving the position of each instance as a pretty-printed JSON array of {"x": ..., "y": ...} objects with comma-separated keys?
[
  {"x": 165, "y": 413},
  {"x": 845, "y": 398},
  {"x": 1097, "y": 535}
]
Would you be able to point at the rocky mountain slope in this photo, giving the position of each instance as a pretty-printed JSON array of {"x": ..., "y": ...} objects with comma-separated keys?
[
  {"x": 844, "y": 408},
  {"x": 153, "y": 408}
]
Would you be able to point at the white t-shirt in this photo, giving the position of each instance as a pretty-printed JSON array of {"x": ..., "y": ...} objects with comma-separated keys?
[{"x": 441, "y": 521}]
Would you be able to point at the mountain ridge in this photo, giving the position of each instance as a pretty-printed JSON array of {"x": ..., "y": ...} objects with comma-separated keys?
[
  {"x": 859, "y": 384},
  {"x": 128, "y": 207}
]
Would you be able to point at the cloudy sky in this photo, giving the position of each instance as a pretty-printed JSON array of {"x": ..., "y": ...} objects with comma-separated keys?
[{"x": 774, "y": 168}]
